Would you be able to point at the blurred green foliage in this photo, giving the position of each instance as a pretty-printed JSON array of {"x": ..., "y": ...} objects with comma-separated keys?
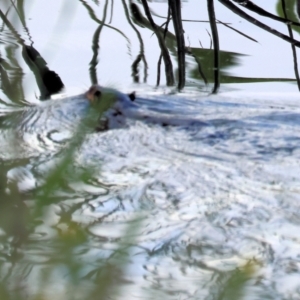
[{"x": 291, "y": 12}]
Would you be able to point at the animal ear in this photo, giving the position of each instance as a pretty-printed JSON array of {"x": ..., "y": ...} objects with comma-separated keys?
[{"x": 132, "y": 96}]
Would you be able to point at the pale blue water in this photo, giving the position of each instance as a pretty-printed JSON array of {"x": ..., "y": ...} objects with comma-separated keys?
[
  {"x": 217, "y": 189},
  {"x": 211, "y": 197}
]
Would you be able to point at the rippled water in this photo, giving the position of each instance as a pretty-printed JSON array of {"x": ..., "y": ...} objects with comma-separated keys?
[
  {"x": 205, "y": 199},
  {"x": 172, "y": 206}
]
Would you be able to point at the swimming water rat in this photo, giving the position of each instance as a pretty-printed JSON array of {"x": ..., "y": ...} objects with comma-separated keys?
[
  {"x": 112, "y": 105},
  {"x": 112, "y": 108},
  {"x": 115, "y": 107}
]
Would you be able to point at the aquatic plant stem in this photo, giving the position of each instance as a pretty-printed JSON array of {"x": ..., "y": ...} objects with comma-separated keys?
[
  {"x": 111, "y": 11},
  {"x": 255, "y": 8},
  {"x": 141, "y": 55},
  {"x": 215, "y": 38},
  {"x": 175, "y": 7},
  {"x": 166, "y": 56},
  {"x": 93, "y": 17},
  {"x": 198, "y": 62},
  {"x": 254, "y": 21},
  {"x": 160, "y": 57},
  {"x": 95, "y": 48},
  {"x": 293, "y": 47}
]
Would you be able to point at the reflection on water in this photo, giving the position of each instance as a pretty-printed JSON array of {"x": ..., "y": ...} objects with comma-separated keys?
[
  {"x": 147, "y": 210},
  {"x": 203, "y": 201}
]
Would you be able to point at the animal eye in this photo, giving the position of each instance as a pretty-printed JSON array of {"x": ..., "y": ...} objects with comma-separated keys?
[{"x": 97, "y": 93}]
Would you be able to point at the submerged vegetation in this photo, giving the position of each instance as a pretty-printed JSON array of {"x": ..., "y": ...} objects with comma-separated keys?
[{"x": 67, "y": 270}]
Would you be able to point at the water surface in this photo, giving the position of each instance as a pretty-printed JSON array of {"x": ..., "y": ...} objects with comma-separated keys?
[{"x": 161, "y": 211}]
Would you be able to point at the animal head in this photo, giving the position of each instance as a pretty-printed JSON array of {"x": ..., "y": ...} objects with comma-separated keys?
[
  {"x": 110, "y": 103},
  {"x": 99, "y": 95}
]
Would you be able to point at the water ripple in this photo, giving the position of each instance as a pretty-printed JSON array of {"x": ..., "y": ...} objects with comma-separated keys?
[{"x": 211, "y": 197}]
